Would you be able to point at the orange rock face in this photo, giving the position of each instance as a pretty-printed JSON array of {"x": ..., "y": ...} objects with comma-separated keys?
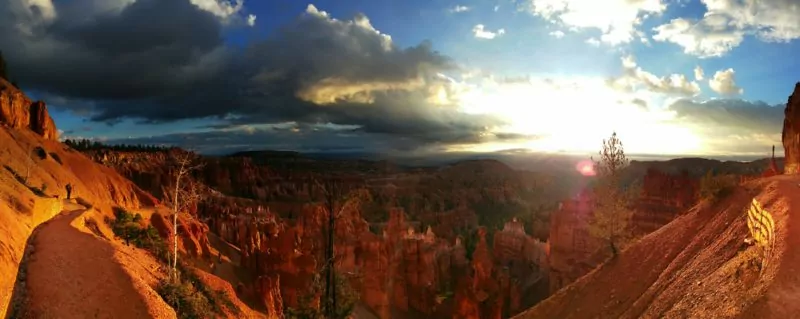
[
  {"x": 662, "y": 198},
  {"x": 268, "y": 289},
  {"x": 791, "y": 133},
  {"x": 570, "y": 244},
  {"x": 191, "y": 234},
  {"x": 18, "y": 111},
  {"x": 522, "y": 267}
]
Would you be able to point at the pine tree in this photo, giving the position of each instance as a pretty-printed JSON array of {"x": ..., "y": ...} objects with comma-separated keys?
[{"x": 611, "y": 201}]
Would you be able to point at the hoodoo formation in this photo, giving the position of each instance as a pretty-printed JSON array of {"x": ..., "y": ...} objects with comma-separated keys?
[
  {"x": 791, "y": 132},
  {"x": 17, "y": 111}
]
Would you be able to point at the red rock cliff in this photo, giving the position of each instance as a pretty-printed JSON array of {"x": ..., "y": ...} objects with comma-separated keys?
[
  {"x": 18, "y": 111},
  {"x": 791, "y": 133},
  {"x": 663, "y": 197}
]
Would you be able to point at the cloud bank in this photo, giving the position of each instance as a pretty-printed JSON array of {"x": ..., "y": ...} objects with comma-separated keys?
[{"x": 174, "y": 65}]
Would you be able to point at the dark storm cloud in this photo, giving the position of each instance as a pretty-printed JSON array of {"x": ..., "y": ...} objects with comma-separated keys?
[
  {"x": 165, "y": 60},
  {"x": 320, "y": 140},
  {"x": 738, "y": 116},
  {"x": 149, "y": 49}
]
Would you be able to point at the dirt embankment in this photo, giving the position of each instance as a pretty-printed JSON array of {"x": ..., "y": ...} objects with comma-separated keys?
[
  {"x": 33, "y": 172},
  {"x": 72, "y": 274},
  {"x": 699, "y": 265}
]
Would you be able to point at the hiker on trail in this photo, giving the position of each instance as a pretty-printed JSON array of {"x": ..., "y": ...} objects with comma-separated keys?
[{"x": 69, "y": 191}]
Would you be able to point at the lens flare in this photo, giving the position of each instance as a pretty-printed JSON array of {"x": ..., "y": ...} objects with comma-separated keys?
[{"x": 586, "y": 168}]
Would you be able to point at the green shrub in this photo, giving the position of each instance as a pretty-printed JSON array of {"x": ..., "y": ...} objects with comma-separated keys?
[
  {"x": 717, "y": 187},
  {"x": 189, "y": 296},
  {"x": 187, "y": 301},
  {"x": 128, "y": 227}
]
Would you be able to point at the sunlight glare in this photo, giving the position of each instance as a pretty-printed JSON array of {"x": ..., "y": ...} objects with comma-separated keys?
[{"x": 576, "y": 114}]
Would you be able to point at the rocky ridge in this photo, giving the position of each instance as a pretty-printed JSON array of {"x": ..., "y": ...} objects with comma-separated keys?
[{"x": 19, "y": 112}]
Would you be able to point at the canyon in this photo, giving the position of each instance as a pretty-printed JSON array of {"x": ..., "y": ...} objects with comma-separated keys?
[
  {"x": 473, "y": 239},
  {"x": 441, "y": 251}
]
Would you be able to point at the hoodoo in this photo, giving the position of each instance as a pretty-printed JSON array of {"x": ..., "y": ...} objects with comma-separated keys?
[
  {"x": 791, "y": 132},
  {"x": 18, "y": 111}
]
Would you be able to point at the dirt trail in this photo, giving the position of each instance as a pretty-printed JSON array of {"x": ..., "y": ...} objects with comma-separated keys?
[{"x": 73, "y": 274}]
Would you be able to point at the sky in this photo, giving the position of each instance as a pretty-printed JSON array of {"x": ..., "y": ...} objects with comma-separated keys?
[{"x": 672, "y": 78}]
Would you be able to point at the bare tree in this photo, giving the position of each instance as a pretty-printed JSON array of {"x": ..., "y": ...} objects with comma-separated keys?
[
  {"x": 337, "y": 198},
  {"x": 611, "y": 201},
  {"x": 184, "y": 194}
]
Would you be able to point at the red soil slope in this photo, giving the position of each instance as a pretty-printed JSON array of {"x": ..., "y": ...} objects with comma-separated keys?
[
  {"x": 698, "y": 266},
  {"x": 21, "y": 210}
]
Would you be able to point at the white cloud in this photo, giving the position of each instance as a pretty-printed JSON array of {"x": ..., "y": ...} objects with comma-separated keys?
[
  {"x": 460, "y": 9},
  {"x": 480, "y": 32},
  {"x": 634, "y": 77},
  {"x": 43, "y": 8},
  {"x": 557, "y": 34},
  {"x": 711, "y": 37},
  {"x": 616, "y": 19},
  {"x": 31, "y": 14},
  {"x": 359, "y": 20},
  {"x": 593, "y": 41},
  {"x": 221, "y": 8},
  {"x": 698, "y": 73},
  {"x": 725, "y": 23},
  {"x": 312, "y": 10},
  {"x": 496, "y": 8},
  {"x": 251, "y": 20},
  {"x": 724, "y": 82}
]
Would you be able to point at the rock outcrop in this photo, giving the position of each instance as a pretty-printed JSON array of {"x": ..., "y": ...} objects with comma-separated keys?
[
  {"x": 191, "y": 234},
  {"x": 663, "y": 197},
  {"x": 18, "y": 111},
  {"x": 772, "y": 169},
  {"x": 571, "y": 246},
  {"x": 791, "y": 133}
]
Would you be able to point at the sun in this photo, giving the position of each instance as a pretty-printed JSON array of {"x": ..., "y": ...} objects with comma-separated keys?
[{"x": 575, "y": 116}]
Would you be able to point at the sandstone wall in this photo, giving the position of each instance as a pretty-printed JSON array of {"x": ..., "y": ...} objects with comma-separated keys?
[
  {"x": 18, "y": 111},
  {"x": 791, "y": 133},
  {"x": 18, "y": 230}
]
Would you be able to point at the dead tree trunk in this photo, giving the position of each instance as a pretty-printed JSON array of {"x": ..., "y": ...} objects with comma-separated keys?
[{"x": 182, "y": 198}]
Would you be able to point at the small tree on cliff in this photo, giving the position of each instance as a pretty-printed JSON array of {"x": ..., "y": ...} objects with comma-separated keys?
[
  {"x": 182, "y": 196},
  {"x": 611, "y": 213},
  {"x": 337, "y": 197}
]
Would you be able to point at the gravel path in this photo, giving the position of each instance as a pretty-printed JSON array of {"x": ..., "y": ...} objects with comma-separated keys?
[{"x": 72, "y": 274}]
